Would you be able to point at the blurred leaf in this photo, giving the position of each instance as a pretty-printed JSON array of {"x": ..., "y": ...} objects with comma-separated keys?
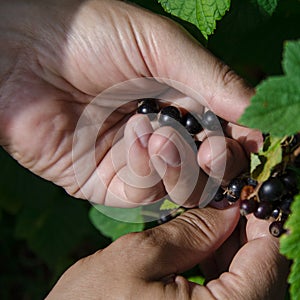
[
  {"x": 168, "y": 205},
  {"x": 268, "y": 6},
  {"x": 266, "y": 159},
  {"x": 289, "y": 246},
  {"x": 291, "y": 58},
  {"x": 101, "y": 217},
  {"x": 276, "y": 107},
  {"x": 197, "y": 279},
  {"x": 202, "y": 13}
]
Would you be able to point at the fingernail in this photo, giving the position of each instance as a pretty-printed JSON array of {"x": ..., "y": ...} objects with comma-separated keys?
[
  {"x": 143, "y": 131},
  {"x": 169, "y": 152}
]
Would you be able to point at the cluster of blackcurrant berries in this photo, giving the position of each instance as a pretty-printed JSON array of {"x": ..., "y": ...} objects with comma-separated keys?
[
  {"x": 270, "y": 199},
  {"x": 174, "y": 117}
]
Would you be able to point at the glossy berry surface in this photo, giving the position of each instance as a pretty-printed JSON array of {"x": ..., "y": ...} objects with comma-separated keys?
[
  {"x": 248, "y": 206},
  {"x": 234, "y": 189},
  {"x": 191, "y": 124},
  {"x": 289, "y": 180},
  {"x": 264, "y": 210},
  {"x": 271, "y": 190},
  {"x": 251, "y": 181},
  {"x": 210, "y": 121},
  {"x": 148, "y": 107},
  {"x": 276, "y": 228},
  {"x": 169, "y": 116}
]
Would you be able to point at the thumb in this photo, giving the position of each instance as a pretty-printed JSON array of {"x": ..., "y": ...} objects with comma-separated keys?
[
  {"x": 179, "y": 244},
  {"x": 197, "y": 73}
]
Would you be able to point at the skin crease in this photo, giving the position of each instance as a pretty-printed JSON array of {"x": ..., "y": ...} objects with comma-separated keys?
[
  {"x": 55, "y": 70},
  {"x": 144, "y": 265},
  {"x": 56, "y": 57}
]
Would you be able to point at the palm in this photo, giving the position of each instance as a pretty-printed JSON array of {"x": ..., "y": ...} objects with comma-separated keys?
[{"x": 59, "y": 126}]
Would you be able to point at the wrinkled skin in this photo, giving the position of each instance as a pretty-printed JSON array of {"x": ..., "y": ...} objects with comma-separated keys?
[
  {"x": 56, "y": 58},
  {"x": 146, "y": 265},
  {"x": 59, "y": 55}
]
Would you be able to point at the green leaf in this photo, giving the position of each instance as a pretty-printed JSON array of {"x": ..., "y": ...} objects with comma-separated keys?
[
  {"x": 197, "y": 279},
  {"x": 255, "y": 162},
  {"x": 276, "y": 107},
  {"x": 108, "y": 220},
  {"x": 289, "y": 246},
  {"x": 202, "y": 13},
  {"x": 266, "y": 159},
  {"x": 268, "y": 6},
  {"x": 168, "y": 205},
  {"x": 291, "y": 58}
]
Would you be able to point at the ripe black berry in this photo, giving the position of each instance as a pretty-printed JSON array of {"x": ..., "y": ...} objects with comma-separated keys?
[
  {"x": 251, "y": 181},
  {"x": 248, "y": 206},
  {"x": 275, "y": 213},
  {"x": 289, "y": 180},
  {"x": 148, "y": 107},
  {"x": 264, "y": 210},
  {"x": 210, "y": 121},
  {"x": 169, "y": 116},
  {"x": 191, "y": 124},
  {"x": 276, "y": 228},
  {"x": 234, "y": 189},
  {"x": 271, "y": 190}
]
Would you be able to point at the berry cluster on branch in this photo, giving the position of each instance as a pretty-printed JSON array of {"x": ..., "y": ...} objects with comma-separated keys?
[{"x": 270, "y": 199}]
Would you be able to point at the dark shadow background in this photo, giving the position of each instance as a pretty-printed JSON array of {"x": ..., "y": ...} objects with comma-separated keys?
[{"x": 43, "y": 230}]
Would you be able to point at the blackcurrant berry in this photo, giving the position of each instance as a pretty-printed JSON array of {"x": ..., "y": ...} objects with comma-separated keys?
[
  {"x": 248, "y": 206},
  {"x": 191, "y": 124},
  {"x": 251, "y": 181},
  {"x": 276, "y": 228},
  {"x": 290, "y": 181},
  {"x": 210, "y": 121},
  {"x": 264, "y": 210},
  {"x": 234, "y": 189},
  {"x": 169, "y": 116},
  {"x": 271, "y": 190},
  {"x": 285, "y": 205},
  {"x": 275, "y": 213},
  {"x": 148, "y": 107}
]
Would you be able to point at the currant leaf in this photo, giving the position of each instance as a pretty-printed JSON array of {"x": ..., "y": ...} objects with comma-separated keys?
[
  {"x": 266, "y": 159},
  {"x": 268, "y": 6},
  {"x": 291, "y": 58},
  {"x": 289, "y": 246},
  {"x": 103, "y": 219},
  {"x": 202, "y": 13},
  {"x": 276, "y": 106}
]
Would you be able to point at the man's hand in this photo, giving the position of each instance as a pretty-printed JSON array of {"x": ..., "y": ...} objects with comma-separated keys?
[
  {"x": 57, "y": 57},
  {"x": 147, "y": 265}
]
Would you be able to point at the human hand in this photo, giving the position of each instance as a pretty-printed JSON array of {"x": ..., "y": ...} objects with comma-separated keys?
[
  {"x": 58, "y": 56},
  {"x": 148, "y": 265}
]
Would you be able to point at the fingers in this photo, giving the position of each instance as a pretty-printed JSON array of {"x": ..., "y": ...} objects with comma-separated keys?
[
  {"x": 196, "y": 72},
  {"x": 175, "y": 161},
  {"x": 222, "y": 157},
  {"x": 257, "y": 271}
]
